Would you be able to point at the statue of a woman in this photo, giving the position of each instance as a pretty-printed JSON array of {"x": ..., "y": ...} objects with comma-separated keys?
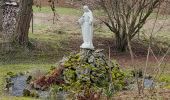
[{"x": 86, "y": 22}]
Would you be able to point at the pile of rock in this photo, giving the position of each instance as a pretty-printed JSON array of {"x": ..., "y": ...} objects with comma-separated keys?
[
  {"x": 79, "y": 72},
  {"x": 80, "y": 66}
]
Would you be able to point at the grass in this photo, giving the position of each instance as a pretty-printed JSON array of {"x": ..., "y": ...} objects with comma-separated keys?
[
  {"x": 65, "y": 11},
  {"x": 40, "y": 26},
  {"x": 50, "y": 47},
  {"x": 20, "y": 67},
  {"x": 48, "y": 50},
  {"x": 165, "y": 78},
  {"x": 15, "y": 98},
  {"x": 163, "y": 37},
  {"x": 59, "y": 10}
]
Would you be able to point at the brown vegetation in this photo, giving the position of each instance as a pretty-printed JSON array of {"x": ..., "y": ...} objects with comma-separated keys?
[{"x": 45, "y": 81}]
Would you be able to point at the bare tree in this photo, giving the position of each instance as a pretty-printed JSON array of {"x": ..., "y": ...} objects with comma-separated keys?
[{"x": 125, "y": 18}]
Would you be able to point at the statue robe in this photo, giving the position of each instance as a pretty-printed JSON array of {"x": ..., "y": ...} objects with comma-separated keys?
[{"x": 86, "y": 22}]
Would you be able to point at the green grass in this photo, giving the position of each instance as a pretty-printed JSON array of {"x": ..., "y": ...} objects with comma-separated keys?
[
  {"x": 17, "y": 68},
  {"x": 165, "y": 78},
  {"x": 66, "y": 11},
  {"x": 42, "y": 9},
  {"x": 15, "y": 98},
  {"x": 40, "y": 26},
  {"x": 163, "y": 37},
  {"x": 46, "y": 47},
  {"x": 50, "y": 47},
  {"x": 59, "y": 10}
]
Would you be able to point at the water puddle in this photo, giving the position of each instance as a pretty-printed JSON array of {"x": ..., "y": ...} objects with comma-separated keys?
[{"x": 19, "y": 84}]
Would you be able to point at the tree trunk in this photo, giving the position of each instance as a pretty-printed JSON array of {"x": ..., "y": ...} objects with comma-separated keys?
[
  {"x": 1, "y": 16},
  {"x": 121, "y": 43},
  {"x": 23, "y": 22}
]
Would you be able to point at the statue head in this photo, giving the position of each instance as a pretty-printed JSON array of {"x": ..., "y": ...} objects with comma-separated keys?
[{"x": 86, "y": 8}]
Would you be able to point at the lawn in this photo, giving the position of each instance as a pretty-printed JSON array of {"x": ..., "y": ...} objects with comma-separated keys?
[
  {"x": 51, "y": 46},
  {"x": 21, "y": 67},
  {"x": 16, "y": 98},
  {"x": 59, "y": 10}
]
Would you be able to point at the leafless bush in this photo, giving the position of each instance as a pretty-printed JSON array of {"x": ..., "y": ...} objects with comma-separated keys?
[{"x": 125, "y": 18}]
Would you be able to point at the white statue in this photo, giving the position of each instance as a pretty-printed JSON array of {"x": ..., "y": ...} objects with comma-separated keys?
[{"x": 86, "y": 22}]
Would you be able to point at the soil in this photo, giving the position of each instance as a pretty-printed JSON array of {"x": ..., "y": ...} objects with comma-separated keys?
[
  {"x": 161, "y": 94},
  {"x": 67, "y": 23},
  {"x": 124, "y": 59}
]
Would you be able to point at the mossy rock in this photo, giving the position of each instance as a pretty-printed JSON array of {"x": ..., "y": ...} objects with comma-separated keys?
[
  {"x": 26, "y": 93},
  {"x": 91, "y": 70}
]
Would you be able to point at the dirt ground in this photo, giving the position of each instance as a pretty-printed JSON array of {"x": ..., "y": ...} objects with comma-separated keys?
[
  {"x": 68, "y": 24},
  {"x": 162, "y": 94}
]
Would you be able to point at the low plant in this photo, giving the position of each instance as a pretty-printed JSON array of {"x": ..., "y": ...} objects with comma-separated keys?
[{"x": 90, "y": 75}]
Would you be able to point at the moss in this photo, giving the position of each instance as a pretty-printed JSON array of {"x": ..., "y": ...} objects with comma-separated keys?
[
  {"x": 11, "y": 74},
  {"x": 29, "y": 79},
  {"x": 16, "y": 68},
  {"x": 167, "y": 86},
  {"x": 164, "y": 78},
  {"x": 26, "y": 93},
  {"x": 34, "y": 94},
  {"x": 91, "y": 70}
]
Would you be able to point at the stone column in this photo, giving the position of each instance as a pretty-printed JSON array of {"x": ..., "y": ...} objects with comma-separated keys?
[
  {"x": 10, "y": 11},
  {"x": 1, "y": 16}
]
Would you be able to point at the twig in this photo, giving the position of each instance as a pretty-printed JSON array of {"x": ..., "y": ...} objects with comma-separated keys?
[{"x": 32, "y": 22}]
